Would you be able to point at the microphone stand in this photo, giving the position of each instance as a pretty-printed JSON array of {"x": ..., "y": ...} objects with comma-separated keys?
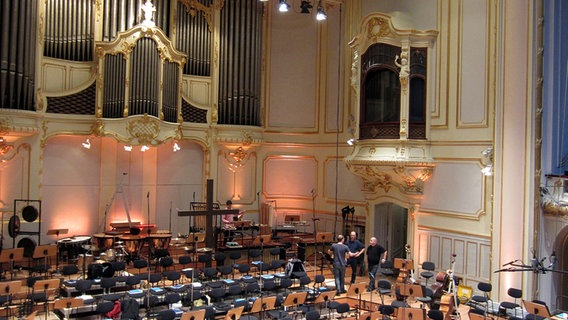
[{"x": 148, "y": 293}]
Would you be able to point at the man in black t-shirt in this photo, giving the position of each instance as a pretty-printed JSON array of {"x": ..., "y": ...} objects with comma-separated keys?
[
  {"x": 356, "y": 247},
  {"x": 376, "y": 255}
]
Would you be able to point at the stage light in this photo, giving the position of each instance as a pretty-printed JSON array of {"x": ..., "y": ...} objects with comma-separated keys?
[
  {"x": 321, "y": 15},
  {"x": 283, "y": 6},
  {"x": 128, "y": 148},
  {"x": 351, "y": 141},
  {"x": 176, "y": 147},
  {"x": 144, "y": 148},
  {"x": 87, "y": 144}
]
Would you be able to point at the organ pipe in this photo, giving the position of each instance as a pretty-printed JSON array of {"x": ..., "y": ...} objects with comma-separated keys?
[
  {"x": 17, "y": 54},
  {"x": 240, "y": 60}
]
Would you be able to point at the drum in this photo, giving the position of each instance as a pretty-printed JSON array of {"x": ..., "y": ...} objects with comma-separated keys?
[
  {"x": 108, "y": 255},
  {"x": 72, "y": 246},
  {"x": 160, "y": 240},
  {"x": 132, "y": 244},
  {"x": 104, "y": 241},
  {"x": 84, "y": 260}
]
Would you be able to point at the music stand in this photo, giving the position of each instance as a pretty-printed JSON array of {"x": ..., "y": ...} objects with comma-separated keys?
[
  {"x": 411, "y": 314},
  {"x": 261, "y": 305},
  {"x": 57, "y": 232},
  {"x": 295, "y": 299},
  {"x": 357, "y": 289},
  {"x": 325, "y": 297},
  {"x": 46, "y": 285},
  {"x": 67, "y": 304},
  {"x": 411, "y": 290},
  {"x": 261, "y": 240},
  {"x": 8, "y": 289},
  {"x": 11, "y": 255},
  {"x": 43, "y": 252},
  {"x": 234, "y": 313},
  {"x": 324, "y": 237},
  {"x": 374, "y": 315},
  {"x": 193, "y": 315},
  {"x": 400, "y": 263},
  {"x": 537, "y": 309}
]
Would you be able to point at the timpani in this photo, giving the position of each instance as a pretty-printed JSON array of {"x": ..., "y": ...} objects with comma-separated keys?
[
  {"x": 104, "y": 241},
  {"x": 160, "y": 240},
  {"x": 132, "y": 244}
]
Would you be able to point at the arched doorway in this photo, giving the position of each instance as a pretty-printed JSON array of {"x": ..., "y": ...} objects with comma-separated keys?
[{"x": 391, "y": 228}]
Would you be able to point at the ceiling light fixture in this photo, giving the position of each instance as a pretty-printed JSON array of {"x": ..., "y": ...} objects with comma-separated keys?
[
  {"x": 351, "y": 141},
  {"x": 128, "y": 148},
  {"x": 283, "y": 6},
  {"x": 176, "y": 147},
  {"x": 87, "y": 144},
  {"x": 144, "y": 148},
  {"x": 321, "y": 15},
  {"x": 305, "y": 6}
]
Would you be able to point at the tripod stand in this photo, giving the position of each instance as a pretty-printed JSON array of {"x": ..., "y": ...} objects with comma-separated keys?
[{"x": 133, "y": 231}]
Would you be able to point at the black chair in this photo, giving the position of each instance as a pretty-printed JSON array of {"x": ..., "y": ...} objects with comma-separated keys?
[
  {"x": 435, "y": 314},
  {"x": 384, "y": 288},
  {"x": 387, "y": 268},
  {"x": 506, "y": 305},
  {"x": 427, "y": 298},
  {"x": 483, "y": 300},
  {"x": 225, "y": 271},
  {"x": 83, "y": 286},
  {"x": 184, "y": 261},
  {"x": 140, "y": 264},
  {"x": 220, "y": 258},
  {"x": 305, "y": 280},
  {"x": 342, "y": 308},
  {"x": 386, "y": 310},
  {"x": 107, "y": 284},
  {"x": 103, "y": 308},
  {"x": 428, "y": 271},
  {"x": 167, "y": 314},
  {"x": 172, "y": 276},
  {"x": 235, "y": 290},
  {"x": 171, "y": 298},
  {"x": 69, "y": 270},
  {"x": 244, "y": 269},
  {"x": 165, "y": 263},
  {"x": 118, "y": 266},
  {"x": 285, "y": 283},
  {"x": 312, "y": 315}
]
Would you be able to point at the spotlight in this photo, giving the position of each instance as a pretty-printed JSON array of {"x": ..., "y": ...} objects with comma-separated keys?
[
  {"x": 321, "y": 15},
  {"x": 176, "y": 147},
  {"x": 347, "y": 210},
  {"x": 87, "y": 144},
  {"x": 351, "y": 141},
  {"x": 305, "y": 6},
  {"x": 283, "y": 6},
  {"x": 128, "y": 148},
  {"x": 144, "y": 148}
]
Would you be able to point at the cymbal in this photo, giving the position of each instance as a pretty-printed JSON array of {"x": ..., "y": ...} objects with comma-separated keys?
[
  {"x": 204, "y": 250},
  {"x": 119, "y": 243}
]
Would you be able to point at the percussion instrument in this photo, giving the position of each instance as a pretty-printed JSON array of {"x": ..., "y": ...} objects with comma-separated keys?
[
  {"x": 104, "y": 241},
  {"x": 108, "y": 255},
  {"x": 160, "y": 240},
  {"x": 74, "y": 246},
  {"x": 86, "y": 259},
  {"x": 132, "y": 244}
]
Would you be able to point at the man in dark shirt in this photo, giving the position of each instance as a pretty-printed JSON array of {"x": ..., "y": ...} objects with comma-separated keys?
[
  {"x": 376, "y": 255},
  {"x": 356, "y": 247},
  {"x": 340, "y": 255}
]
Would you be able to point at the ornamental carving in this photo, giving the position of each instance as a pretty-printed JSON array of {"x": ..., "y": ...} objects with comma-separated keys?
[{"x": 144, "y": 129}]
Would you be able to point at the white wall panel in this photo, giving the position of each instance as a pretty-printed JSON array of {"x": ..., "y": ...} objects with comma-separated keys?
[
  {"x": 293, "y": 72},
  {"x": 455, "y": 188},
  {"x": 290, "y": 176}
]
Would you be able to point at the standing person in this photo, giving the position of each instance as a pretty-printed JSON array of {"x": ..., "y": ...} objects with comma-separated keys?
[
  {"x": 229, "y": 223},
  {"x": 340, "y": 255},
  {"x": 358, "y": 248},
  {"x": 376, "y": 255}
]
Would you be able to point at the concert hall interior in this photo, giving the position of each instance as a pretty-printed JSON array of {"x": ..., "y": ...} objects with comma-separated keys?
[{"x": 203, "y": 155}]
